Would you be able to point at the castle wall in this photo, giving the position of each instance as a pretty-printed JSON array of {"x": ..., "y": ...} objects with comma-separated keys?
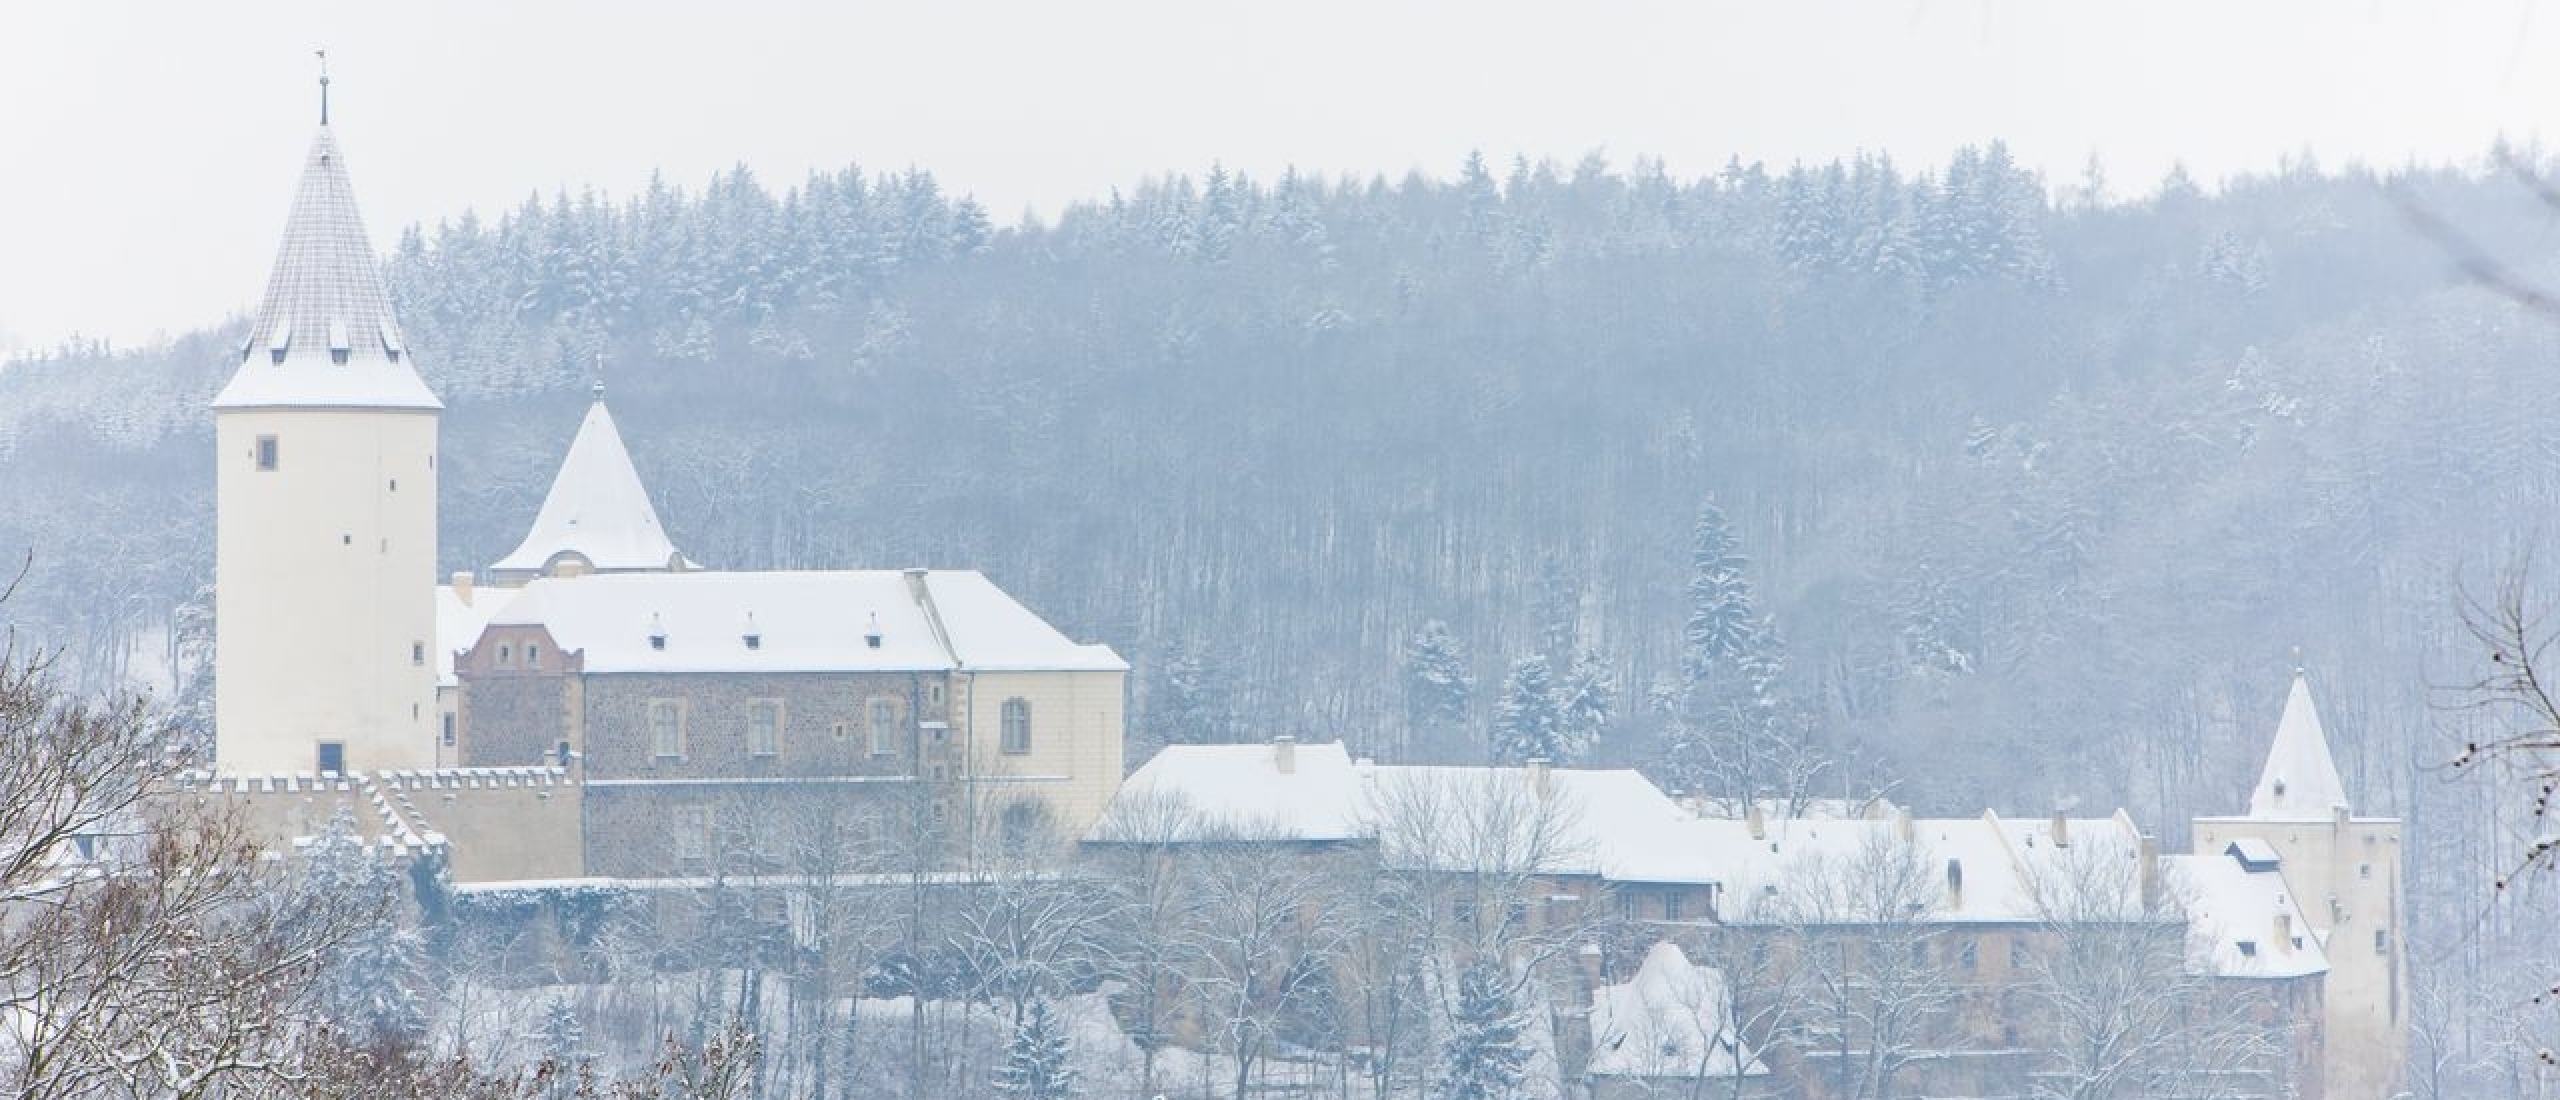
[{"x": 519, "y": 699}]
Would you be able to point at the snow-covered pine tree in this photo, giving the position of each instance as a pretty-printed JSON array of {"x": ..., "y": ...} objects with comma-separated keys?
[
  {"x": 561, "y": 1037},
  {"x": 1526, "y": 725},
  {"x": 1438, "y": 692},
  {"x": 1487, "y": 1056},
  {"x": 1719, "y": 628},
  {"x": 1585, "y": 701},
  {"x": 1036, "y": 1062},
  {"x": 369, "y": 987}
]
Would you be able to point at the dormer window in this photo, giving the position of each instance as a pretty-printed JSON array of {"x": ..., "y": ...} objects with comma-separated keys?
[
  {"x": 752, "y": 634},
  {"x": 871, "y": 634},
  {"x": 279, "y": 339},
  {"x": 338, "y": 345},
  {"x": 657, "y": 633}
]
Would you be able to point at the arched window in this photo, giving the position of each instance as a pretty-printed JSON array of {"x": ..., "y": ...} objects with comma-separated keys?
[{"x": 1017, "y": 726}]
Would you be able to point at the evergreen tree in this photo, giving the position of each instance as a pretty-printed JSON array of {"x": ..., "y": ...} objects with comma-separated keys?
[
  {"x": 1526, "y": 723},
  {"x": 1585, "y": 701},
  {"x": 1720, "y": 627},
  {"x": 1438, "y": 692},
  {"x": 369, "y": 987},
  {"x": 1487, "y": 1056},
  {"x": 1036, "y": 1065}
]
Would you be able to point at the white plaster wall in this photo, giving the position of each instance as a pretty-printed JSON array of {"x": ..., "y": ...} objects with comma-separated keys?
[
  {"x": 324, "y": 580},
  {"x": 1076, "y": 736},
  {"x": 2364, "y": 999}
]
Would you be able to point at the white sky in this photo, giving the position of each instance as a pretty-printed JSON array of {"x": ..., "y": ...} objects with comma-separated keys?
[{"x": 147, "y": 150}]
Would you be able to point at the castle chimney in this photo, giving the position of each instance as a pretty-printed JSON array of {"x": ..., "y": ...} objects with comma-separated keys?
[
  {"x": 1955, "y": 884},
  {"x": 2338, "y": 814},
  {"x": 1284, "y": 754},
  {"x": 2284, "y": 932},
  {"x": 462, "y": 586},
  {"x": 1753, "y": 819},
  {"x": 2061, "y": 830},
  {"x": 1902, "y": 824},
  {"x": 1538, "y": 784}
]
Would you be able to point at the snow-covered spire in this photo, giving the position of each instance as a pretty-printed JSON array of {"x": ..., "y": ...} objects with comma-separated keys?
[
  {"x": 325, "y": 336},
  {"x": 597, "y": 512},
  {"x": 2300, "y": 782}
]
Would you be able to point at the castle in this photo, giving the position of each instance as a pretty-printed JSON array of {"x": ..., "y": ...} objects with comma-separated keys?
[
  {"x": 601, "y": 705},
  {"x": 597, "y": 706}
]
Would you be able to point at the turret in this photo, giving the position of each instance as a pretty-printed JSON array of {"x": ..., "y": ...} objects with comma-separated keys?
[{"x": 325, "y": 496}]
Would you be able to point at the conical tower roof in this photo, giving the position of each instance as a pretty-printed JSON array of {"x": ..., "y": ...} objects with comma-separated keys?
[
  {"x": 597, "y": 509},
  {"x": 325, "y": 336},
  {"x": 2300, "y": 782}
]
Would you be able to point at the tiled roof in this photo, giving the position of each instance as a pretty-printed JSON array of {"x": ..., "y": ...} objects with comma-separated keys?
[{"x": 325, "y": 336}]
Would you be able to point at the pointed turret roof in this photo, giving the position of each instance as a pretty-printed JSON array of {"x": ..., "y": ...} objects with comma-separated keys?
[
  {"x": 2300, "y": 782},
  {"x": 597, "y": 509},
  {"x": 325, "y": 336}
]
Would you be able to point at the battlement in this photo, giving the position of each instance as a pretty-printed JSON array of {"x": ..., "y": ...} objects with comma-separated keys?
[{"x": 414, "y": 812}]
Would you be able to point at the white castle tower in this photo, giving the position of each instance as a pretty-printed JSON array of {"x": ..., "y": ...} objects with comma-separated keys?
[
  {"x": 325, "y": 497},
  {"x": 2344, "y": 873}
]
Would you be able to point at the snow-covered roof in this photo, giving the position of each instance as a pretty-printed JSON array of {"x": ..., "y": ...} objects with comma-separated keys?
[
  {"x": 459, "y": 623},
  {"x": 800, "y": 622},
  {"x": 1189, "y": 793},
  {"x": 325, "y": 336},
  {"x": 597, "y": 509},
  {"x": 2300, "y": 781},
  {"x": 2244, "y": 923},
  {"x": 1671, "y": 1019}
]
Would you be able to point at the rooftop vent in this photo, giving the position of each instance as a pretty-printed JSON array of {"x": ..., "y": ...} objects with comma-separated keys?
[
  {"x": 657, "y": 632},
  {"x": 871, "y": 633}
]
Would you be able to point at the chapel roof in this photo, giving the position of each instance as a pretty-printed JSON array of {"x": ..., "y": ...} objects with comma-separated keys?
[{"x": 597, "y": 509}]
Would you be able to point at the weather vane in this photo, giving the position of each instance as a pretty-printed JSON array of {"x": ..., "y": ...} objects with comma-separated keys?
[{"x": 323, "y": 55}]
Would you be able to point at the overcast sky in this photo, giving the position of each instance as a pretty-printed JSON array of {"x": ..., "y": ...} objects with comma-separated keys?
[{"x": 147, "y": 151}]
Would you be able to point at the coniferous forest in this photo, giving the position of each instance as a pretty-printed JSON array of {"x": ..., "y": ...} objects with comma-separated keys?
[{"x": 1997, "y": 490}]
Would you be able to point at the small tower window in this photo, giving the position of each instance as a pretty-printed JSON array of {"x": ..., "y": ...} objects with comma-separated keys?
[
  {"x": 532, "y": 655},
  {"x": 2381, "y": 941},
  {"x": 417, "y": 653},
  {"x": 266, "y": 452}
]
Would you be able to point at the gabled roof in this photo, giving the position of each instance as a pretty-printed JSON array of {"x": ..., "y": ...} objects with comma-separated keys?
[
  {"x": 325, "y": 336},
  {"x": 801, "y": 622},
  {"x": 2234, "y": 915},
  {"x": 596, "y": 509},
  {"x": 2300, "y": 781}
]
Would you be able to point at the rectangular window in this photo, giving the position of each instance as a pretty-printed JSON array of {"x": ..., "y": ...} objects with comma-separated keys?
[
  {"x": 1017, "y": 726},
  {"x": 1671, "y": 906},
  {"x": 764, "y": 728},
  {"x": 884, "y": 727},
  {"x": 532, "y": 656},
  {"x": 1970, "y": 957},
  {"x": 266, "y": 452},
  {"x": 448, "y": 730},
  {"x": 692, "y": 827},
  {"x": 333, "y": 757},
  {"x": 417, "y": 653},
  {"x": 666, "y": 729},
  {"x": 933, "y": 692},
  {"x": 2381, "y": 941}
]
